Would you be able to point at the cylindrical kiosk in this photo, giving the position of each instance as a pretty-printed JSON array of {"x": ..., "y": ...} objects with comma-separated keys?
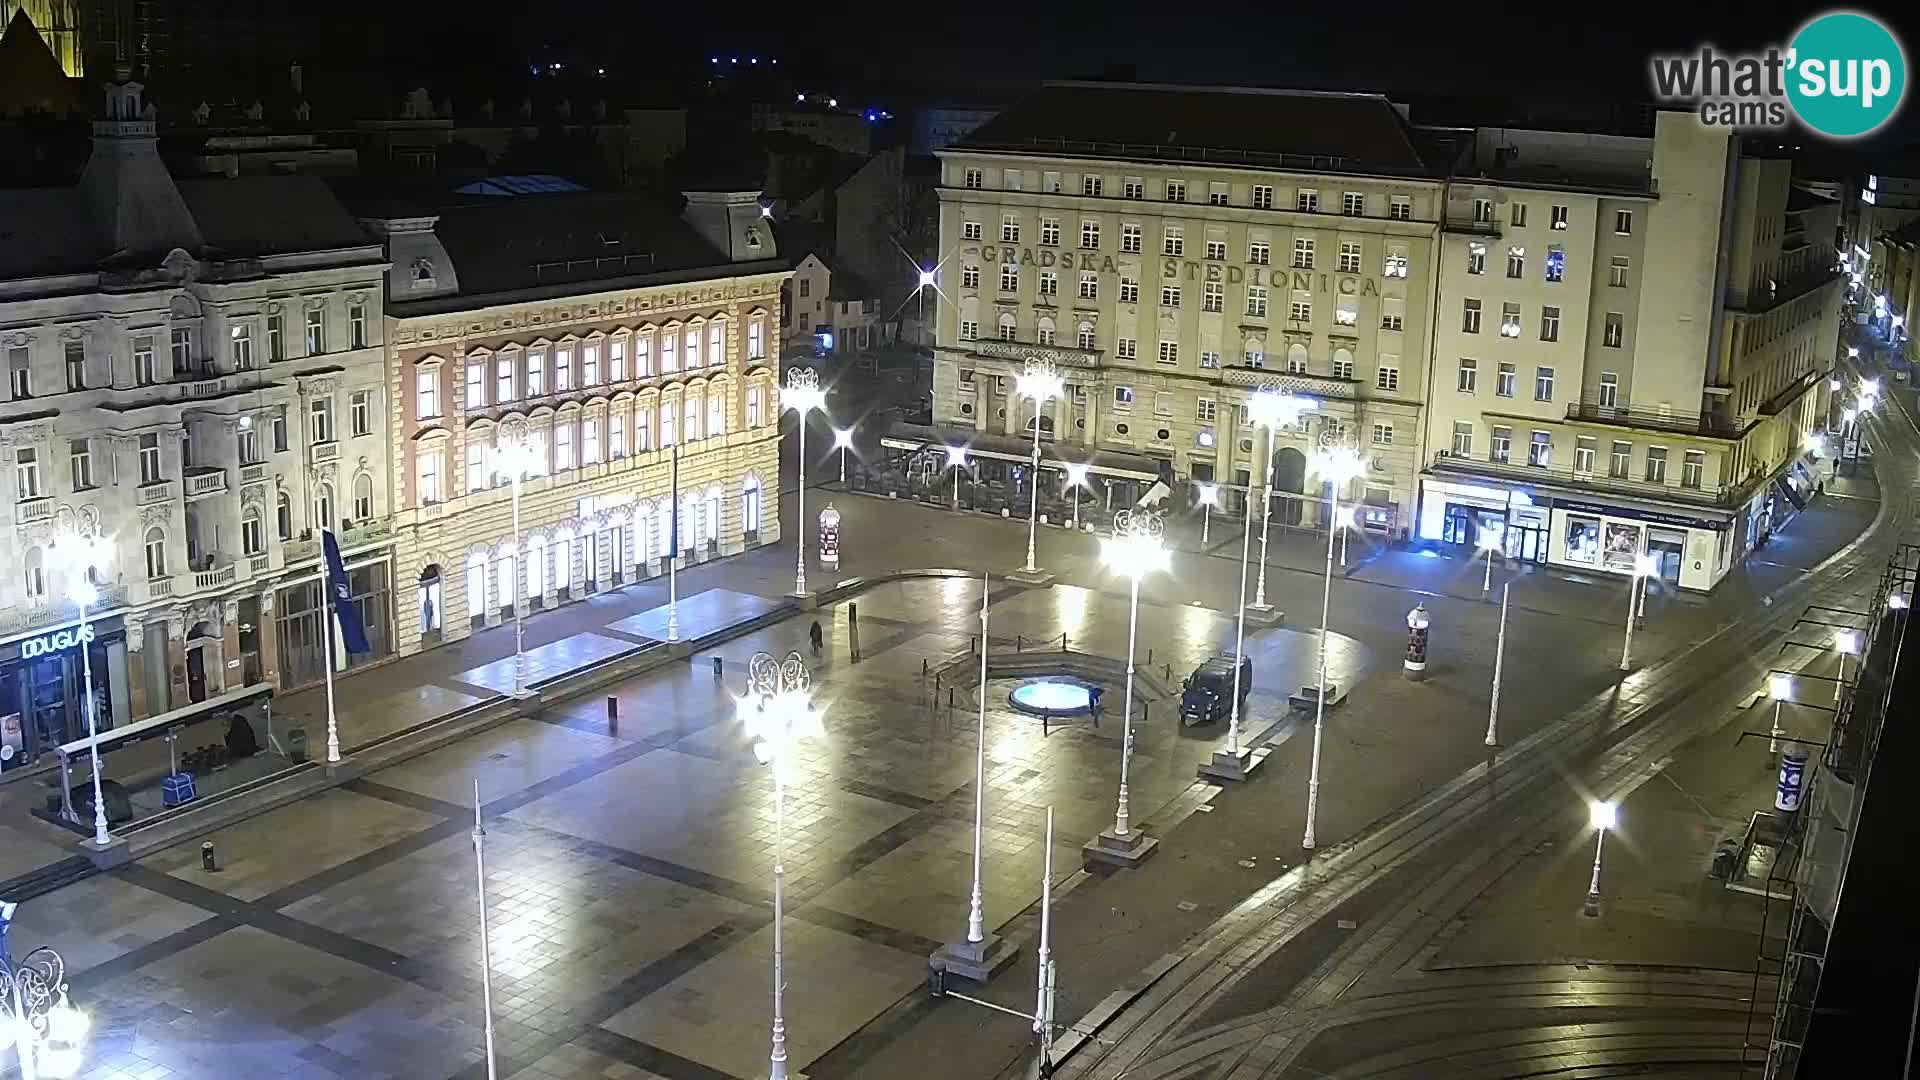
[
  {"x": 830, "y": 538},
  {"x": 1793, "y": 780},
  {"x": 1418, "y": 621}
]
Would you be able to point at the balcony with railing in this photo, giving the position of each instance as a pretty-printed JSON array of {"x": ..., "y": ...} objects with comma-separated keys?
[
  {"x": 323, "y": 452},
  {"x": 1303, "y": 383},
  {"x": 1020, "y": 351},
  {"x": 1720, "y": 496},
  {"x": 25, "y": 617},
  {"x": 160, "y": 491},
  {"x": 33, "y": 511},
  {"x": 204, "y": 480},
  {"x": 253, "y": 474},
  {"x": 1706, "y": 425},
  {"x": 215, "y": 576}
]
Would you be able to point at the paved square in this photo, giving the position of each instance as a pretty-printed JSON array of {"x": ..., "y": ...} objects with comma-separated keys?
[
  {"x": 293, "y": 843},
  {"x": 547, "y": 661},
  {"x": 98, "y": 919},
  {"x": 507, "y": 760},
  {"x": 700, "y": 614}
]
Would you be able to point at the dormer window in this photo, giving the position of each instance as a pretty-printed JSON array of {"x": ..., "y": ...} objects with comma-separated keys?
[
  {"x": 423, "y": 273},
  {"x": 753, "y": 236}
]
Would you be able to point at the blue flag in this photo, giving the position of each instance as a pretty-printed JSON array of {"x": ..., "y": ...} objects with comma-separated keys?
[{"x": 353, "y": 636}]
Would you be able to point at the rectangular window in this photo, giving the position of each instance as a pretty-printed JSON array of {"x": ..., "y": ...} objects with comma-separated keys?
[
  {"x": 1009, "y": 230},
  {"x": 1044, "y": 334},
  {"x": 969, "y": 330},
  {"x": 1306, "y": 201},
  {"x": 1172, "y": 242},
  {"x": 276, "y": 337},
  {"x": 476, "y": 466},
  {"x": 1169, "y": 352},
  {"x": 1210, "y": 360},
  {"x": 1656, "y": 464},
  {"x": 1126, "y": 348},
  {"x": 1559, "y": 217},
  {"x": 144, "y": 372},
  {"x": 590, "y": 440},
  {"x": 1049, "y": 283},
  {"x": 617, "y": 357},
  {"x": 1462, "y": 438},
  {"x": 476, "y": 383},
  {"x": 426, "y": 393},
  {"x": 1383, "y": 434},
  {"x": 1500, "y": 446},
  {"x": 320, "y": 420},
  {"x": 1400, "y": 208},
  {"x": 1342, "y": 369},
  {"x": 1346, "y": 312},
  {"x": 643, "y": 356},
  {"x": 1619, "y": 461},
  {"x": 1169, "y": 296},
  {"x": 1623, "y": 222},
  {"x": 693, "y": 358},
  {"x": 1259, "y": 253},
  {"x": 1129, "y": 291},
  {"x": 1583, "y": 449},
  {"x": 80, "y": 458},
  {"x": 181, "y": 344},
  {"x": 1556, "y": 263},
  {"x": 669, "y": 352},
  {"x": 757, "y": 338},
  {"x": 1609, "y": 390},
  {"x": 1257, "y": 301},
  {"x": 1353, "y": 204},
  {"x": 1009, "y": 277},
  {"x": 1516, "y": 261},
  {"x": 1469, "y": 377},
  {"x": 247, "y": 443},
  {"x": 1616, "y": 330},
  {"x": 1543, "y": 384},
  {"x": 969, "y": 277},
  {"x": 1549, "y": 324},
  {"x": 1519, "y": 215},
  {"x": 973, "y": 180},
  {"x": 1299, "y": 307},
  {"x": 1476, "y": 258},
  {"x": 357, "y": 325},
  {"x": 280, "y": 440},
  {"x": 1216, "y": 194},
  {"x": 1510, "y": 320},
  {"x": 969, "y": 230},
  {"x": 1089, "y": 286},
  {"x": 503, "y": 382},
  {"x": 536, "y": 372},
  {"x": 616, "y": 435},
  {"x": 643, "y": 428},
  {"x": 1302, "y": 254},
  {"x": 1693, "y": 468},
  {"x": 1203, "y": 410},
  {"x": 1176, "y": 191},
  {"x": 360, "y": 412},
  {"x": 1086, "y": 338},
  {"x": 76, "y": 358},
  {"x": 1395, "y": 265},
  {"x": 1007, "y": 332},
  {"x": 1262, "y": 197},
  {"x": 1090, "y": 234},
  {"x": 1213, "y": 296},
  {"x": 589, "y": 365},
  {"x": 1349, "y": 257},
  {"x": 430, "y": 476},
  {"x": 1504, "y": 379},
  {"x": 1050, "y": 232},
  {"x": 562, "y": 445},
  {"x": 1540, "y": 450},
  {"x": 1296, "y": 363},
  {"x": 1617, "y": 271},
  {"x": 316, "y": 331},
  {"x": 1134, "y": 188},
  {"x": 1091, "y": 185},
  {"x": 150, "y": 459},
  {"x": 1483, "y": 211},
  {"x": 26, "y": 473},
  {"x": 1130, "y": 239},
  {"x": 1393, "y": 313},
  {"x": 1470, "y": 317},
  {"x": 1217, "y": 250},
  {"x": 716, "y": 414},
  {"x": 1386, "y": 378},
  {"x": 1123, "y": 398}
]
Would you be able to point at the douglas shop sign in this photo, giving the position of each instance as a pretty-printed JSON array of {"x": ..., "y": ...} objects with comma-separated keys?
[{"x": 55, "y": 642}]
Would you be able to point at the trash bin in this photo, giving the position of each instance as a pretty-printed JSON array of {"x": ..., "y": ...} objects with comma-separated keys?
[{"x": 297, "y": 745}]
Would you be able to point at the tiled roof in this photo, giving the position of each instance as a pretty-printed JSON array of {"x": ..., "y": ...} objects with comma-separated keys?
[
  {"x": 500, "y": 245},
  {"x": 47, "y": 231},
  {"x": 1361, "y": 133},
  {"x": 248, "y": 216}
]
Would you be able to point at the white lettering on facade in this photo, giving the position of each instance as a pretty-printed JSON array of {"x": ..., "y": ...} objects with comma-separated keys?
[{"x": 55, "y": 642}]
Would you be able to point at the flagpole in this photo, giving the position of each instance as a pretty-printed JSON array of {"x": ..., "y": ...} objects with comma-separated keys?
[
  {"x": 326, "y": 642},
  {"x": 673, "y": 554}
]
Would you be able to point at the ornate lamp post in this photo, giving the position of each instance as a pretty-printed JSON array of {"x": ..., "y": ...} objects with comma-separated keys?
[
  {"x": 1077, "y": 479},
  {"x": 1603, "y": 816},
  {"x": 1272, "y": 410},
  {"x": 802, "y": 394},
  {"x": 843, "y": 441},
  {"x": 1136, "y": 549},
  {"x": 1644, "y": 566},
  {"x": 514, "y": 455},
  {"x": 778, "y": 712},
  {"x": 1231, "y": 763},
  {"x": 80, "y": 554},
  {"x": 36, "y": 1019},
  {"x": 957, "y": 461},
  {"x": 1209, "y": 498},
  {"x": 1338, "y": 464},
  {"x": 1041, "y": 383}
]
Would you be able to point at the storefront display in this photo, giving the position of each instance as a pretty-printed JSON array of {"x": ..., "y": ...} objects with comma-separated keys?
[
  {"x": 1583, "y": 540},
  {"x": 1623, "y": 544},
  {"x": 43, "y": 688}
]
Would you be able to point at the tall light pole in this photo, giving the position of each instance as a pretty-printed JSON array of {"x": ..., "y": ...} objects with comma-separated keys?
[
  {"x": 1346, "y": 519},
  {"x": 1780, "y": 689},
  {"x": 1209, "y": 497},
  {"x": 777, "y": 712},
  {"x": 975, "y": 957},
  {"x": 843, "y": 441},
  {"x": 1077, "y": 479},
  {"x": 1043, "y": 1004},
  {"x": 1337, "y": 465},
  {"x": 1846, "y": 643},
  {"x": 80, "y": 554},
  {"x": 1644, "y": 566},
  {"x": 956, "y": 461},
  {"x": 1136, "y": 549},
  {"x": 802, "y": 394},
  {"x": 1231, "y": 763},
  {"x": 1272, "y": 410},
  {"x": 1489, "y": 543},
  {"x": 1603, "y": 816},
  {"x": 1499, "y": 659},
  {"x": 514, "y": 456},
  {"x": 44, "y": 1028},
  {"x": 1041, "y": 383},
  {"x": 486, "y": 943}
]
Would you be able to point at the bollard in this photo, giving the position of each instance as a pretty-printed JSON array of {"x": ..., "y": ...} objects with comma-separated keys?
[
  {"x": 613, "y": 713},
  {"x": 1019, "y": 643},
  {"x": 1149, "y": 657},
  {"x": 923, "y": 667},
  {"x": 1169, "y": 668},
  {"x": 949, "y": 697},
  {"x": 717, "y": 666},
  {"x": 206, "y": 857}
]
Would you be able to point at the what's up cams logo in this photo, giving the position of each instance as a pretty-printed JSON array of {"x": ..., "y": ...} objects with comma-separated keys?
[{"x": 1844, "y": 75}]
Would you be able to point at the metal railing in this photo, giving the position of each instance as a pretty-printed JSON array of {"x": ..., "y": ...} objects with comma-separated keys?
[
  {"x": 1718, "y": 496},
  {"x": 1710, "y": 424}
]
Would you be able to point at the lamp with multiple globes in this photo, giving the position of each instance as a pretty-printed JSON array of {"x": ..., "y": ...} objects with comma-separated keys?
[
  {"x": 803, "y": 395},
  {"x": 1042, "y": 383},
  {"x": 1077, "y": 479},
  {"x": 36, "y": 1018},
  {"x": 1602, "y": 816},
  {"x": 79, "y": 556},
  {"x": 1271, "y": 410},
  {"x": 1136, "y": 548},
  {"x": 1338, "y": 465}
]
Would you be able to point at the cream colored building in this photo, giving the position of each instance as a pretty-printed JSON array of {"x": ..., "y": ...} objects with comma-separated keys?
[
  {"x": 1633, "y": 340},
  {"x": 1174, "y": 249},
  {"x": 630, "y": 338}
]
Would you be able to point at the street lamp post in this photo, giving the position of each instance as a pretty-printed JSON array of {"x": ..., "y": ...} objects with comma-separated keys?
[
  {"x": 1346, "y": 520},
  {"x": 1338, "y": 465},
  {"x": 486, "y": 943},
  {"x": 1780, "y": 689},
  {"x": 1644, "y": 566},
  {"x": 1499, "y": 661},
  {"x": 1041, "y": 382},
  {"x": 1076, "y": 479},
  {"x": 36, "y": 1018},
  {"x": 843, "y": 441},
  {"x": 80, "y": 555},
  {"x": 1231, "y": 763},
  {"x": 1846, "y": 643},
  {"x": 1603, "y": 816},
  {"x": 514, "y": 456},
  {"x": 976, "y": 957},
  {"x": 802, "y": 394},
  {"x": 1272, "y": 410},
  {"x": 1489, "y": 543},
  {"x": 956, "y": 461},
  {"x": 777, "y": 712},
  {"x": 1209, "y": 497},
  {"x": 1136, "y": 549}
]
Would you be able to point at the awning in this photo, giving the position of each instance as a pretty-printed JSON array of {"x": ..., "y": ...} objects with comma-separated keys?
[{"x": 1020, "y": 451}]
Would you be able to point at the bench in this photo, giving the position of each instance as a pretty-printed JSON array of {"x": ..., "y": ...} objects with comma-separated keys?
[{"x": 167, "y": 725}]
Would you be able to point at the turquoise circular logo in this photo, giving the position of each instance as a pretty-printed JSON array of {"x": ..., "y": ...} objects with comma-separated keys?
[{"x": 1846, "y": 74}]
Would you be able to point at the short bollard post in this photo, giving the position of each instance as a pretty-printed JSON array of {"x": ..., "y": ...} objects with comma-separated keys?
[
  {"x": 207, "y": 862},
  {"x": 923, "y": 667},
  {"x": 949, "y": 697},
  {"x": 613, "y": 713},
  {"x": 719, "y": 667},
  {"x": 1149, "y": 657}
]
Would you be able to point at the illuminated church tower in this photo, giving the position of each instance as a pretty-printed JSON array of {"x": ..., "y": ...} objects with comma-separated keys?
[{"x": 58, "y": 22}]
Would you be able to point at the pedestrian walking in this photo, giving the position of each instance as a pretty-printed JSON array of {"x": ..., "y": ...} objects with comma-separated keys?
[{"x": 815, "y": 636}]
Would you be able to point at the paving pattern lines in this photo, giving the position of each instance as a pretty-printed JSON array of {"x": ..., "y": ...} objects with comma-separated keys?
[{"x": 1300, "y": 907}]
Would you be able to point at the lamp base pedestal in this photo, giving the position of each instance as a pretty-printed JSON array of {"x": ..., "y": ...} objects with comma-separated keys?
[
  {"x": 1229, "y": 766},
  {"x": 1125, "y": 852},
  {"x": 1035, "y": 578},
  {"x": 976, "y": 961},
  {"x": 116, "y": 853},
  {"x": 1264, "y": 614}
]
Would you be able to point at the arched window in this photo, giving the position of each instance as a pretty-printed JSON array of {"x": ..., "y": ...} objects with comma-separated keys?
[
  {"x": 363, "y": 498},
  {"x": 253, "y": 533},
  {"x": 156, "y": 553},
  {"x": 476, "y": 585},
  {"x": 1086, "y": 339},
  {"x": 1006, "y": 326},
  {"x": 283, "y": 516},
  {"x": 1256, "y": 353},
  {"x": 36, "y": 575},
  {"x": 750, "y": 504},
  {"x": 1296, "y": 359},
  {"x": 1044, "y": 333},
  {"x": 323, "y": 506}
]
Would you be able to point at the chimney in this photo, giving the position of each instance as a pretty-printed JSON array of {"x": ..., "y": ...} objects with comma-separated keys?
[
  {"x": 134, "y": 201},
  {"x": 295, "y": 79},
  {"x": 733, "y": 222}
]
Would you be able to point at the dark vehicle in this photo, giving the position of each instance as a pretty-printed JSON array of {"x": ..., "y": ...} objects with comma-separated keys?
[{"x": 1209, "y": 690}]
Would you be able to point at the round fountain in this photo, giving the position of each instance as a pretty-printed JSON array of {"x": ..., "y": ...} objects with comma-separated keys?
[{"x": 1052, "y": 698}]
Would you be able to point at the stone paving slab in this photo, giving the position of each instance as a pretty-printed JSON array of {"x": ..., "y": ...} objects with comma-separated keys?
[
  {"x": 547, "y": 661},
  {"x": 700, "y": 614},
  {"x": 98, "y": 920},
  {"x": 506, "y": 760}
]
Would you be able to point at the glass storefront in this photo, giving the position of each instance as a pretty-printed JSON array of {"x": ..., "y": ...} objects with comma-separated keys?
[
  {"x": 42, "y": 688},
  {"x": 297, "y": 613}
]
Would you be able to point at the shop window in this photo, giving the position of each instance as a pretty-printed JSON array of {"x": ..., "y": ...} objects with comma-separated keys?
[{"x": 1583, "y": 540}]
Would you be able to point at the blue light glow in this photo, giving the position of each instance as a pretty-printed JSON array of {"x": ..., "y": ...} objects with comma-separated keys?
[{"x": 1053, "y": 696}]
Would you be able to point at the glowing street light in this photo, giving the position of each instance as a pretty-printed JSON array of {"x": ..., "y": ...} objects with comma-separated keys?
[
  {"x": 926, "y": 278},
  {"x": 516, "y": 457},
  {"x": 1780, "y": 689},
  {"x": 1272, "y": 410},
  {"x": 1644, "y": 567},
  {"x": 1846, "y": 643},
  {"x": 843, "y": 441},
  {"x": 36, "y": 1018},
  {"x": 1209, "y": 498},
  {"x": 1499, "y": 663},
  {"x": 1489, "y": 543},
  {"x": 1853, "y": 353},
  {"x": 1338, "y": 466},
  {"x": 1602, "y": 816},
  {"x": 81, "y": 556},
  {"x": 1833, "y": 385},
  {"x": 802, "y": 394},
  {"x": 957, "y": 461},
  {"x": 1135, "y": 549},
  {"x": 1897, "y": 601},
  {"x": 777, "y": 712},
  {"x": 1041, "y": 382},
  {"x": 1077, "y": 479},
  {"x": 1345, "y": 520}
]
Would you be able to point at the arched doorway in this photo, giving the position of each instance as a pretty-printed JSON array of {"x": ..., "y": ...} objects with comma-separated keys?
[
  {"x": 1289, "y": 484},
  {"x": 428, "y": 598},
  {"x": 203, "y": 661}
]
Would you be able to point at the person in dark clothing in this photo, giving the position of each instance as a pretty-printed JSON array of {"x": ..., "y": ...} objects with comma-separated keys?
[
  {"x": 814, "y": 635},
  {"x": 241, "y": 742}
]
